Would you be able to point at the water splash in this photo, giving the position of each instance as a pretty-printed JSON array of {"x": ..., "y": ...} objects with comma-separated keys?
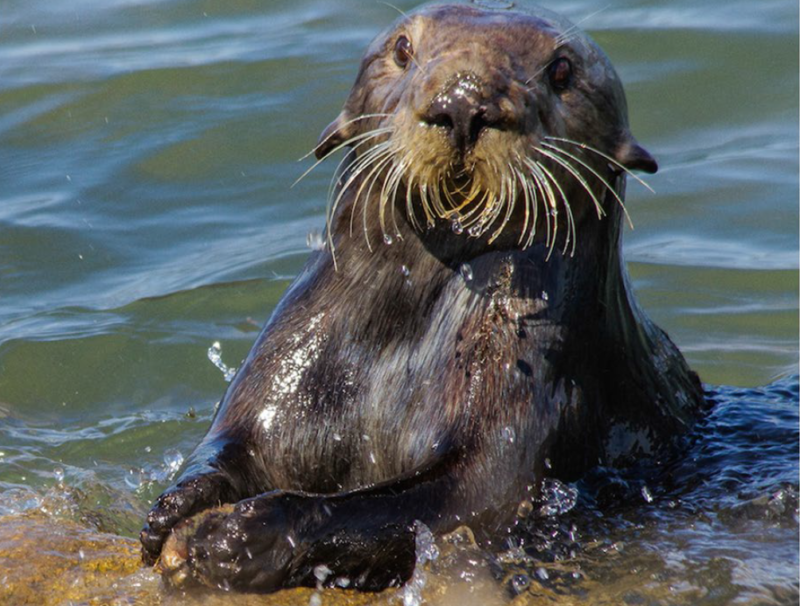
[
  {"x": 426, "y": 551},
  {"x": 314, "y": 240},
  {"x": 173, "y": 459},
  {"x": 558, "y": 498},
  {"x": 466, "y": 272},
  {"x": 215, "y": 355},
  {"x": 321, "y": 574}
]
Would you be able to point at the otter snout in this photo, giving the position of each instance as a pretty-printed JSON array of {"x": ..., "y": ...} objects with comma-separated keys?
[{"x": 466, "y": 107}]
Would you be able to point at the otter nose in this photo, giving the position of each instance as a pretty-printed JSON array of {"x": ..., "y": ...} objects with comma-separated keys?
[{"x": 461, "y": 111}]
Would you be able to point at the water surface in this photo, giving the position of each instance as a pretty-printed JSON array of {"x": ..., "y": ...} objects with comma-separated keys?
[{"x": 146, "y": 155}]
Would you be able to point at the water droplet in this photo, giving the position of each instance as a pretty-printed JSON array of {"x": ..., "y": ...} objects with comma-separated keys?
[
  {"x": 337, "y": 437},
  {"x": 648, "y": 496},
  {"x": 315, "y": 600},
  {"x": 548, "y": 463},
  {"x": 314, "y": 240},
  {"x": 405, "y": 270},
  {"x": 524, "y": 509},
  {"x": 387, "y": 239},
  {"x": 475, "y": 231},
  {"x": 342, "y": 582},
  {"x": 457, "y": 228},
  {"x": 542, "y": 574},
  {"x": 58, "y": 474},
  {"x": 466, "y": 272},
  {"x": 520, "y": 582},
  {"x": 173, "y": 460},
  {"x": 545, "y": 296},
  {"x": 321, "y": 573},
  {"x": 148, "y": 449},
  {"x": 134, "y": 478},
  {"x": 508, "y": 434}
]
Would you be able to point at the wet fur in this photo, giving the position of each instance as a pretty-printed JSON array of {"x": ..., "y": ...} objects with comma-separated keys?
[{"x": 393, "y": 386}]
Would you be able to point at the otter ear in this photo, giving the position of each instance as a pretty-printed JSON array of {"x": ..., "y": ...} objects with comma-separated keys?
[
  {"x": 635, "y": 157},
  {"x": 333, "y": 136}
]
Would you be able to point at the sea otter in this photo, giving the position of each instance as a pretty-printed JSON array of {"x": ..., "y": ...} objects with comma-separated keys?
[{"x": 469, "y": 319}]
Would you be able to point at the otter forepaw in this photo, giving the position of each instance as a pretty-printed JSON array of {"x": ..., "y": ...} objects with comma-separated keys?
[
  {"x": 184, "y": 500},
  {"x": 245, "y": 547}
]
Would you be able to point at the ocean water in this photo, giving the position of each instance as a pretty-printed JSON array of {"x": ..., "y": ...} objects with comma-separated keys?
[{"x": 147, "y": 153}]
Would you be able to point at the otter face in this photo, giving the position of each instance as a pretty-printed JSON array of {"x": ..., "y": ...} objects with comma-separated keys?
[{"x": 498, "y": 121}]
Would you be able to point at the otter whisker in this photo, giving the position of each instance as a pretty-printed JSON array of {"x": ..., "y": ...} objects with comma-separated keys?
[
  {"x": 455, "y": 206},
  {"x": 388, "y": 194},
  {"x": 499, "y": 204},
  {"x": 574, "y": 28},
  {"x": 548, "y": 200},
  {"x": 583, "y": 163},
  {"x": 397, "y": 172},
  {"x": 341, "y": 167},
  {"x": 571, "y": 235},
  {"x": 535, "y": 75},
  {"x": 363, "y": 138},
  {"x": 574, "y": 172},
  {"x": 361, "y": 164},
  {"x": 436, "y": 209},
  {"x": 413, "y": 59},
  {"x": 587, "y": 147},
  {"x": 526, "y": 205},
  {"x": 490, "y": 212},
  {"x": 531, "y": 186},
  {"x": 426, "y": 203},
  {"x": 326, "y": 139},
  {"x": 509, "y": 203},
  {"x": 412, "y": 216},
  {"x": 469, "y": 219},
  {"x": 379, "y": 160}
]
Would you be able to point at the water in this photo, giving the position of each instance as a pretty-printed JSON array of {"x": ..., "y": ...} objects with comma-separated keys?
[{"x": 146, "y": 155}]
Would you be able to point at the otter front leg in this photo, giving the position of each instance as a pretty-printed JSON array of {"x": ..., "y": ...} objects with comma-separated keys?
[
  {"x": 277, "y": 539},
  {"x": 203, "y": 485}
]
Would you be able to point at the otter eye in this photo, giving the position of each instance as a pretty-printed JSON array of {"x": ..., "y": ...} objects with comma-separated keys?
[
  {"x": 403, "y": 51},
  {"x": 560, "y": 72}
]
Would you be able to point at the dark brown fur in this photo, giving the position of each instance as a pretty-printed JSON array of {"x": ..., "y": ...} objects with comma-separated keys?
[{"x": 396, "y": 386}]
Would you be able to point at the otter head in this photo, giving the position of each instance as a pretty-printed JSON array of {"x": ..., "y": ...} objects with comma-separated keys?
[{"x": 512, "y": 126}]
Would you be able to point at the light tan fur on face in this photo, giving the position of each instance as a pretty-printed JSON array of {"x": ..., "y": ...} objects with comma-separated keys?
[{"x": 548, "y": 160}]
